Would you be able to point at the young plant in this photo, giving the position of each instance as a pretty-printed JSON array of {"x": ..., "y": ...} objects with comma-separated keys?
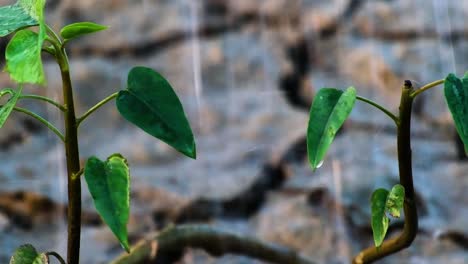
[
  {"x": 148, "y": 101},
  {"x": 329, "y": 111}
]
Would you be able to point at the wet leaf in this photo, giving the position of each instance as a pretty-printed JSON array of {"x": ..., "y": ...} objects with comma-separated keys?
[
  {"x": 25, "y": 48},
  {"x": 379, "y": 220},
  {"x": 395, "y": 200},
  {"x": 27, "y": 254},
  {"x": 150, "y": 103},
  {"x": 23, "y": 56},
  {"x": 79, "y": 29},
  {"x": 329, "y": 110},
  {"x": 6, "y": 109},
  {"x": 456, "y": 96},
  {"x": 23, "y": 13},
  {"x": 109, "y": 185},
  {"x": 14, "y": 17}
]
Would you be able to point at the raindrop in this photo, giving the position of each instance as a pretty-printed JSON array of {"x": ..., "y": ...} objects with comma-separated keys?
[{"x": 319, "y": 164}]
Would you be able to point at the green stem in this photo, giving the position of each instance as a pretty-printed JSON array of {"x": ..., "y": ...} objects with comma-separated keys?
[
  {"x": 410, "y": 228},
  {"x": 427, "y": 87},
  {"x": 57, "y": 256},
  {"x": 73, "y": 159},
  {"x": 94, "y": 108},
  {"x": 49, "y": 50},
  {"x": 45, "y": 99},
  {"x": 65, "y": 43},
  {"x": 381, "y": 108},
  {"x": 55, "y": 38},
  {"x": 78, "y": 174},
  {"x": 42, "y": 120}
]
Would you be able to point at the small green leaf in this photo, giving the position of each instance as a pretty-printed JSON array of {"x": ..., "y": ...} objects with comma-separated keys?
[
  {"x": 379, "y": 221},
  {"x": 81, "y": 28},
  {"x": 456, "y": 96},
  {"x": 150, "y": 103},
  {"x": 27, "y": 254},
  {"x": 6, "y": 109},
  {"x": 328, "y": 112},
  {"x": 109, "y": 185},
  {"x": 395, "y": 200},
  {"x": 23, "y": 56}
]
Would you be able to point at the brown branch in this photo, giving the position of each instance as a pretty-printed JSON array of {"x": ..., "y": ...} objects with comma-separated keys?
[{"x": 173, "y": 240}]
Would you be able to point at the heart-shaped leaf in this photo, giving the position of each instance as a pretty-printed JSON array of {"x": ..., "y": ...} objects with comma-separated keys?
[
  {"x": 6, "y": 109},
  {"x": 109, "y": 185},
  {"x": 23, "y": 56},
  {"x": 395, "y": 200},
  {"x": 79, "y": 29},
  {"x": 27, "y": 254},
  {"x": 150, "y": 103},
  {"x": 379, "y": 219},
  {"x": 456, "y": 96},
  {"x": 328, "y": 112},
  {"x": 23, "y": 13}
]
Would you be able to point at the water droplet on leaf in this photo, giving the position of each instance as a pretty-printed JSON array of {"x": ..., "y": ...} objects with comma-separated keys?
[{"x": 320, "y": 164}]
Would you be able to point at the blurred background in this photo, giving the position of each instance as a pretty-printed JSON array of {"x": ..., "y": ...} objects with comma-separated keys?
[{"x": 246, "y": 72}]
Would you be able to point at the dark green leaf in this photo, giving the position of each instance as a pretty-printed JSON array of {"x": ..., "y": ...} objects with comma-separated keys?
[
  {"x": 328, "y": 112},
  {"x": 109, "y": 185},
  {"x": 6, "y": 109},
  {"x": 456, "y": 96},
  {"x": 379, "y": 219},
  {"x": 23, "y": 56},
  {"x": 81, "y": 28},
  {"x": 395, "y": 200},
  {"x": 150, "y": 103}
]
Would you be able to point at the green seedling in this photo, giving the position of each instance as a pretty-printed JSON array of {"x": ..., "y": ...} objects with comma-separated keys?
[
  {"x": 331, "y": 107},
  {"x": 148, "y": 101}
]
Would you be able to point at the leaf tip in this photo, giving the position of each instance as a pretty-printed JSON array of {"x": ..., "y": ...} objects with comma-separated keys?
[
  {"x": 191, "y": 151},
  {"x": 125, "y": 246}
]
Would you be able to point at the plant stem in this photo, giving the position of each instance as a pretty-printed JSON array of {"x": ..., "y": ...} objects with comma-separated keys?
[
  {"x": 94, "y": 108},
  {"x": 45, "y": 99},
  {"x": 73, "y": 163},
  {"x": 78, "y": 174},
  {"x": 410, "y": 228},
  {"x": 49, "y": 50},
  {"x": 42, "y": 120},
  {"x": 427, "y": 87},
  {"x": 55, "y": 38},
  {"x": 381, "y": 108}
]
